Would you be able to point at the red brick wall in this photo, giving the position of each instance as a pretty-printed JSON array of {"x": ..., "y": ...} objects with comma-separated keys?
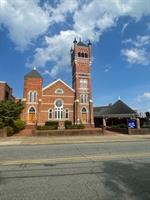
[
  {"x": 2, "y": 91},
  {"x": 82, "y": 70},
  {"x": 46, "y": 99},
  {"x": 49, "y": 97},
  {"x": 32, "y": 84},
  {"x": 5, "y": 92}
]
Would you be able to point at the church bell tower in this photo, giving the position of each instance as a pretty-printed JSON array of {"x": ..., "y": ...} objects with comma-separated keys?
[{"x": 81, "y": 83}]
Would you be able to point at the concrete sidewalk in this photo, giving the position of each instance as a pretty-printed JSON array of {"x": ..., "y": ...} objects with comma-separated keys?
[{"x": 39, "y": 140}]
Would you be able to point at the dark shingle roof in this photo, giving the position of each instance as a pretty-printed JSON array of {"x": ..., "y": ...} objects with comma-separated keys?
[
  {"x": 34, "y": 73},
  {"x": 82, "y": 44},
  {"x": 119, "y": 108},
  {"x": 100, "y": 111}
]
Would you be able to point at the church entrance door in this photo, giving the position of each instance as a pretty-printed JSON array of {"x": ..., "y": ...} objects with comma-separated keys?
[
  {"x": 84, "y": 116},
  {"x": 31, "y": 115}
]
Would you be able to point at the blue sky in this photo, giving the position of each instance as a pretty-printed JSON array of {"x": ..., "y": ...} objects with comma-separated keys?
[{"x": 39, "y": 33}]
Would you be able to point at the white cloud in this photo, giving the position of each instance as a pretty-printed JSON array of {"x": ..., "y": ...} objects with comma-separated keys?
[
  {"x": 144, "y": 97},
  {"x": 56, "y": 51},
  {"x": 140, "y": 41},
  {"x": 136, "y": 56},
  {"x": 124, "y": 27},
  {"x": 59, "y": 13},
  {"x": 138, "y": 52},
  {"x": 90, "y": 20},
  {"x": 147, "y": 95},
  {"x": 107, "y": 68},
  {"x": 138, "y": 8},
  {"x": 24, "y": 19}
]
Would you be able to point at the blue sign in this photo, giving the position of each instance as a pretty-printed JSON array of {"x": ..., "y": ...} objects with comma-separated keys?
[{"x": 131, "y": 123}]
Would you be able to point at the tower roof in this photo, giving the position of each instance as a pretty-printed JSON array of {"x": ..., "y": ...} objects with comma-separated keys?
[
  {"x": 80, "y": 43},
  {"x": 33, "y": 74}
]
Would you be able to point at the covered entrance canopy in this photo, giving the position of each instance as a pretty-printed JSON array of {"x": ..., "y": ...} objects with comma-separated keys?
[{"x": 118, "y": 112}]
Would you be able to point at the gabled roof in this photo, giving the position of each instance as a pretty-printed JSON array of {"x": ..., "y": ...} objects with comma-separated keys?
[
  {"x": 58, "y": 80},
  {"x": 119, "y": 108},
  {"x": 34, "y": 73}
]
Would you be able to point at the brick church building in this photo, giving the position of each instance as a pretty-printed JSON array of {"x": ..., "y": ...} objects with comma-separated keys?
[{"x": 58, "y": 101}]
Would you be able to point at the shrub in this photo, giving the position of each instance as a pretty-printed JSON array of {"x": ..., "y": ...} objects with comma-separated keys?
[
  {"x": 9, "y": 130},
  {"x": 10, "y": 111},
  {"x": 1, "y": 125},
  {"x": 68, "y": 124},
  {"x": 18, "y": 125},
  {"x": 47, "y": 127},
  {"x": 77, "y": 126},
  {"x": 51, "y": 123}
]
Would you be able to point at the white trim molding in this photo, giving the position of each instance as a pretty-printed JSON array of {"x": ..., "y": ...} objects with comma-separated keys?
[{"x": 58, "y": 80}]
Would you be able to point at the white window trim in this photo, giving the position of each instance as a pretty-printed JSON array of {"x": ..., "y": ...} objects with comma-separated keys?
[
  {"x": 62, "y": 91},
  {"x": 59, "y": 111},
  {"x": 84, "y": 97},
  {"x": 30, "y": 108},
  {"x": 33, "y": 99}
]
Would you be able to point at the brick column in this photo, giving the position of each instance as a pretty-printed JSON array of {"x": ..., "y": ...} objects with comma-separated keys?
[
  {"x": 104, "y": 122},
  {"x": 76, "y": 111},
  {"x": 91, "y": 113},
  {"x": 138, "y": 123}
]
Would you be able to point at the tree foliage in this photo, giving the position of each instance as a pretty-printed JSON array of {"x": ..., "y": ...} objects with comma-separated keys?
[
  {"x": 10, "y": 111},
  {"x": 147, "y": 115}
]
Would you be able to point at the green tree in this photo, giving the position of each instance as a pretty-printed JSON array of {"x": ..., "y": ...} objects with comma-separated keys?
[{"x": 10, "y": 111}]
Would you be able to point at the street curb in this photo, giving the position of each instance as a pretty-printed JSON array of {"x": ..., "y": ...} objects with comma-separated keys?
[{"x": 75, "y": 142}]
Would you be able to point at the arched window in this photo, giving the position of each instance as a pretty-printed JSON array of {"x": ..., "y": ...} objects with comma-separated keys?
[
  {"x": 67, "y": 114},
  {"x": 31, "y": 115},
  {"x": 84, "y": 110},
  {"x": 32, "y": 96},
  {"x": 84, "y": 98},
  {"x": 58, "y": 109},
  {"x": 86, "y": 55},
  {"x": 50, "y": 114},
  {"x": 79, "y": 54},
  {"x": 32, "y": 110},
  {"x": 82, "y": 54}
]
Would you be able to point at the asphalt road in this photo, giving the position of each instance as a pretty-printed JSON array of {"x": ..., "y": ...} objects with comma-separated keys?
[{"x": 97, "y": 171}]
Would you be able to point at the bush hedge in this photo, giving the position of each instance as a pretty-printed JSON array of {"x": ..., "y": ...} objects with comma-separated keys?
[
  {"x": 9, "y": 130},
  {"x": 68, "y": 124},
  {"x": 54, "y": 127},
  {"x": 18, "y": 125},
  {"x": 51, "y": 123},
  {"x": 77, "y": 126},
  {"x": 1, "y": 125}
]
